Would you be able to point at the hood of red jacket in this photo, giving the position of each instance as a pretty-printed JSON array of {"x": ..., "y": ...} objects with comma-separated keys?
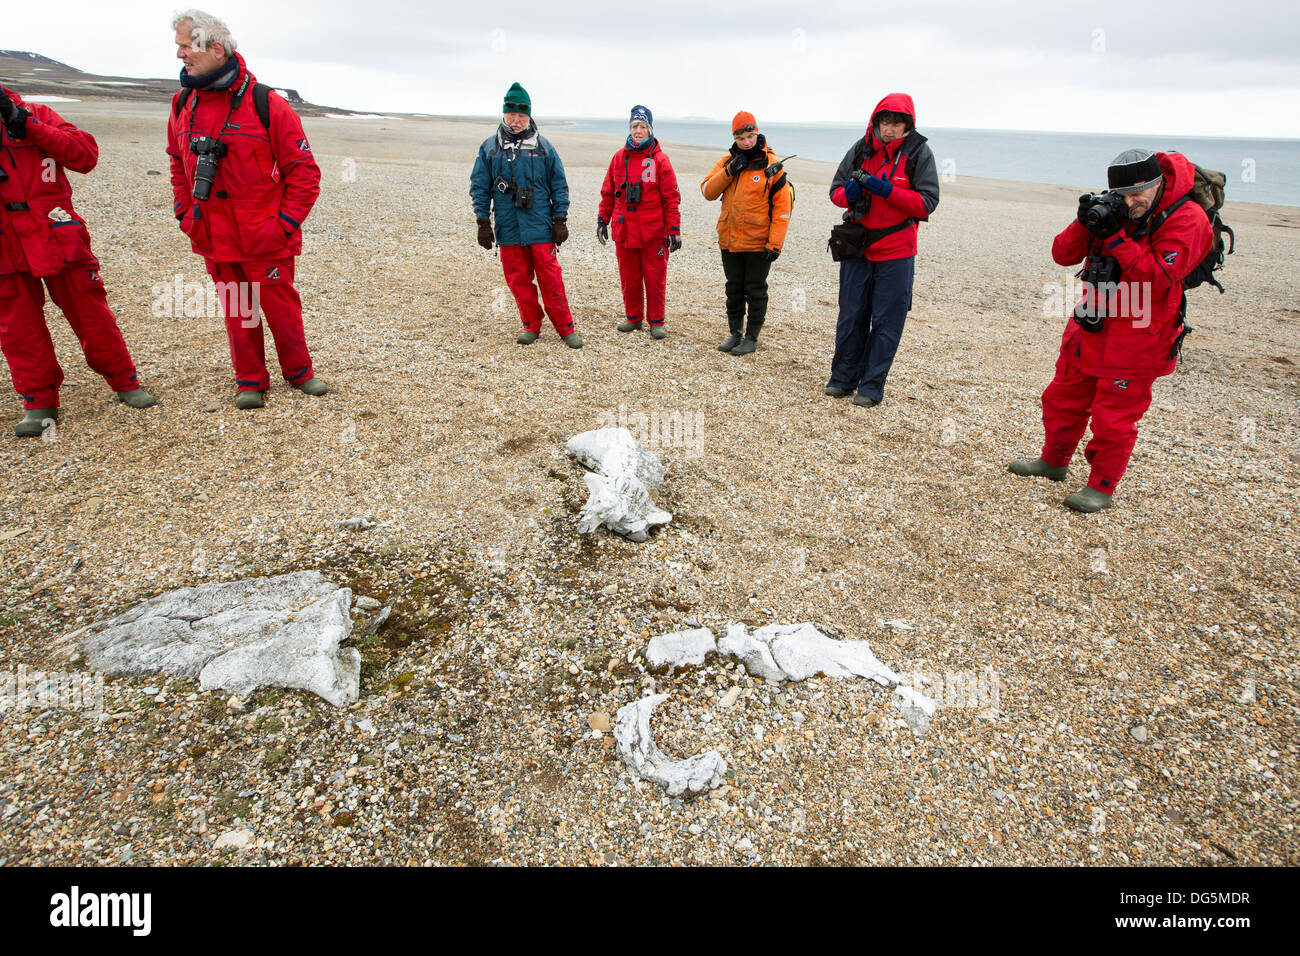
[
  {"x": 1180, "y": 174},
  {"x": 895, "y": 103}
]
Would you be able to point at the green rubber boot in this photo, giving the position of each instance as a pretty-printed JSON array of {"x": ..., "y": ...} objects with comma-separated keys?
[
  {"x": 1088, "y": 500},
  {"x": 313, "y": 386},
  {"x": 658, "y": 331},
  {"x": 136, "y": 398},
  {"x": 629, "y": 326},
  {"x": 250, "y": 398},
  {"x": 573, "y": 340},
  {"x": 34, "y": 422},
  {"x": 1037, "y": 469},
  {"x": 747, "y": 345},
  {"x": 527, "y": 337}
]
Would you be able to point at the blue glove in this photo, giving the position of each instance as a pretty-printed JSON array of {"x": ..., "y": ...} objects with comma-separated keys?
[
  {"x": 852, "y": 192},
  {"x": 881, "y": 187}
]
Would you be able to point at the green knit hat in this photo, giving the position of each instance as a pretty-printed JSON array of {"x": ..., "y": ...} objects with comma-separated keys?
[{"x": 517, "y": 101}]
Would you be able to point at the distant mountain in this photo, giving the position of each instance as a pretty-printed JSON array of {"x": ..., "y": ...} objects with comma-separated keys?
[
  {"x": 35, "y": 58},
  {"x": 34, "y": 74}
]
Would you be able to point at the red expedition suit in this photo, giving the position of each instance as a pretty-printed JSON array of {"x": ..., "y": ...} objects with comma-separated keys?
[
  {"x": 640, "y": 230},
  {"x": 250, "y": 229},
  {"x": 39, "y": 244},
  {"x": 1108, "y": 374}
]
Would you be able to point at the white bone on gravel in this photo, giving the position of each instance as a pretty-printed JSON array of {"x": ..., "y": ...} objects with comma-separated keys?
[
  {"x": 680, "y": 648},
  {"x": 281, "y": 631},
  {"x": 755, "y": 655},
  {"x": 637, "y": 749},
  {"x": 802, "y": 651},
  {"x": 619, "y": 483}
]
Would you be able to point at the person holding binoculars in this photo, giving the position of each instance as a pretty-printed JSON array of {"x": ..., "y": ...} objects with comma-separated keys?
[
  {"x": 519, "y": 179},
  {"x": 43, "y": 242},
  {"x": 244, "y": 180},
  {"x": 640, "y": 199},
  {"x": 1140, "y": 240}
]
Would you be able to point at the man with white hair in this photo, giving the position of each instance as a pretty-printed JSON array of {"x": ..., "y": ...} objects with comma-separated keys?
[{"x": 244, "y": 179}]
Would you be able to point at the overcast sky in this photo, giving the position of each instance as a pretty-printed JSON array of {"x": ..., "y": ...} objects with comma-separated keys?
[{"x": 1193, "y": 67}]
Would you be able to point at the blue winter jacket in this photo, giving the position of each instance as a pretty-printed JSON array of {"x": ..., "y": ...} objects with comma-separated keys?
[{"x": 533, "y": 163}]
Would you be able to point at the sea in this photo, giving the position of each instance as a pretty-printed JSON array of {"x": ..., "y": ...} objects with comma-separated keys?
[{"x": 1258, "y": 170}]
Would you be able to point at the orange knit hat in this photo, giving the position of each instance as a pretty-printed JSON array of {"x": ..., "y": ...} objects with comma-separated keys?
[{"x": 743, "y": 121}]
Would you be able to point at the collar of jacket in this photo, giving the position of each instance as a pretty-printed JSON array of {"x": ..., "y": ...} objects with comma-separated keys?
[
  {"x": 509, "y": 139},
  {"x": 756, "y": 152},
  {"x": 645, "y": 144},
  {"x": 221, "y": 78}
]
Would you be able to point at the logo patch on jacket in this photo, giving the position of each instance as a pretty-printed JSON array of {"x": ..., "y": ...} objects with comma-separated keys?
[
  {"x": 1170, "y": 257},
  {"x": 94, "y": 276},
  {"x": 273, "y": 272},
  {"x": 1121, "y": 383},
  {"x": 304, "y": 146}
]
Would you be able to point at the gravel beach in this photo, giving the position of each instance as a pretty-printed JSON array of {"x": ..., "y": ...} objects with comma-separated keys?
[{"x": 1120, "y": 688}]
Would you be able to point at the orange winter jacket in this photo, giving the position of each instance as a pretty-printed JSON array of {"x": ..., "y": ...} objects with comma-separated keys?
[{"x": 754, "y": 217}]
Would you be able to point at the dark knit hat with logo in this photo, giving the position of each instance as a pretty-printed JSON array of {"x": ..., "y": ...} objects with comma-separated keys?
[
  {"x": 1133, "y": 171},
  {"x": 642, "y": 114},
  {"x": 517, "y": 101}
]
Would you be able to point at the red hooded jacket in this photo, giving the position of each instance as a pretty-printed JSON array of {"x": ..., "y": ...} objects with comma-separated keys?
[
  {"x": 1138, "y": 338},
  {"x": 265, "y": 186},
  {"x": 658, "y": 214},
  {"x": 30, "y": 241},
  {"x": 909, "y": 164}
]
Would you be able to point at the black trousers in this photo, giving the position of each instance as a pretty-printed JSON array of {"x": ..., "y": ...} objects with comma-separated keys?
[{"x": 746, "y": 274}]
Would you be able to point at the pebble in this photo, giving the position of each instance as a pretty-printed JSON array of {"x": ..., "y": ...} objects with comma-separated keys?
[
  {"x": 599, "y": 720},
  {"x": 365, "y": 603},
  {"x": 1139, "y": 733},
  {"x": 234, "y": 840}
]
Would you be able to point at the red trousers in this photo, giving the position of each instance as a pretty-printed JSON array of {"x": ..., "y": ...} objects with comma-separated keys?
[
  {"x": 643, "y": 273},
  {"x": 248, "y": 292},
  {"x": 521, "y": 264},
  {"x": 1115, "y": 407},
  {"x": 25, "y": 338}
]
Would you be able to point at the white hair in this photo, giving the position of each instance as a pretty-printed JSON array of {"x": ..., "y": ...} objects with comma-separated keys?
[{"x": 206, "y": 29}]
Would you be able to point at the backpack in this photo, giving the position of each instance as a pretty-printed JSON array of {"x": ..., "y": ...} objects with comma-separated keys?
[{"x": 1207, "y": 192}]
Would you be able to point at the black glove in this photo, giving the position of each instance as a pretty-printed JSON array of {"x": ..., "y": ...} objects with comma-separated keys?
[
  {"x": 674, "y": 243},
  {"x": 772, "y": 254},
  {"x": 602, "y": 230},
  {"x": 485, "y": 233},
  {"x": 14, "y": 119},
  {"x": 737, "y": 163},
  {"x": 559, "y": 231},
  {"x": 1083, "y": 204}
]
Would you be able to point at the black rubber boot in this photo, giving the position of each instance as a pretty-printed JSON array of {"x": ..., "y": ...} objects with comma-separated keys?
[{"x": 736, "y": 323}]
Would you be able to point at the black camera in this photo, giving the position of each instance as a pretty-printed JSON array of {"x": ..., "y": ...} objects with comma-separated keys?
[
  {"x": 209, "y": 152},
  {"x": 503, "y": 186},
  {"x": 632, "y": 193},
  {"x": 1095, "y": 208},
  {"x": 1102, "y": 274}
]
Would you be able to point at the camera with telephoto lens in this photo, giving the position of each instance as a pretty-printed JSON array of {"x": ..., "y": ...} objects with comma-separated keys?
[
  {"x": 1102, "y": 273},
  {"x": 1096, "y": 207},
  {"x": 209, "y": 152},
  {"x": 632, "y": 193}
]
